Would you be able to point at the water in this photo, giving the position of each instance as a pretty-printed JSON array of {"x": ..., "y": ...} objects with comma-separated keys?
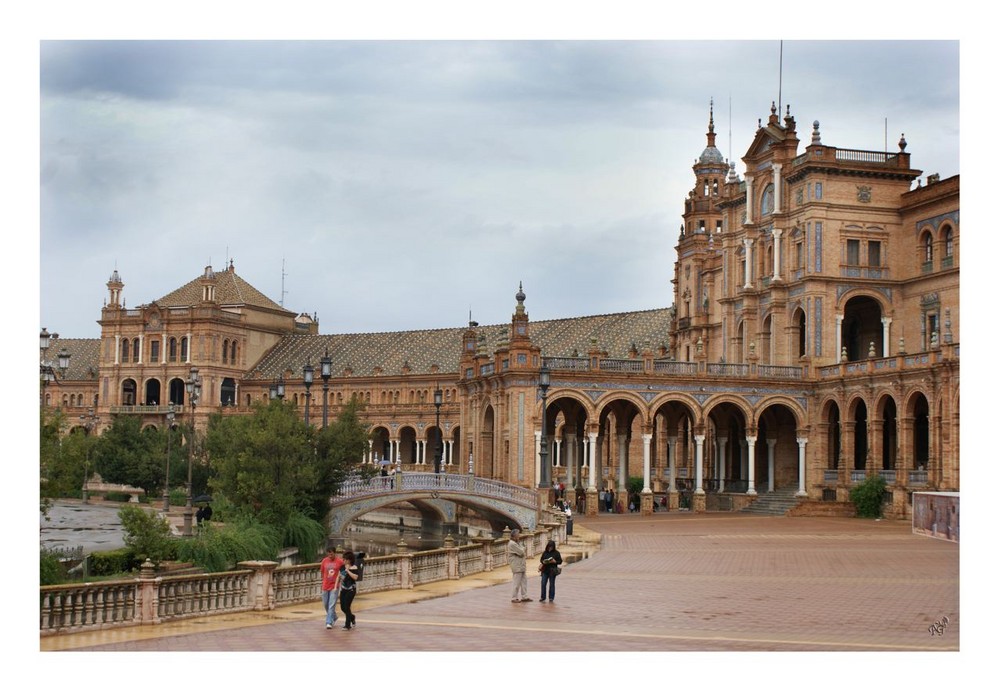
[{"x": 92, "y": 527}]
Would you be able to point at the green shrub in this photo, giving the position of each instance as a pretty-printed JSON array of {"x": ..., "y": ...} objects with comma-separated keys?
[
  {"x": 868, "y": 496},
  {"x": 146, "y": 533},
  {"x": 51, "y": 570},
  {"x": 218, "y": 548},
  {"x": 109, "y": 562},
  {"x": 308, "y": 535}
]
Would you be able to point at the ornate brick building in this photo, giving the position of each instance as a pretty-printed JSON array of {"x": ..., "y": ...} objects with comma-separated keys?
[{"x": 813, "y": 340}]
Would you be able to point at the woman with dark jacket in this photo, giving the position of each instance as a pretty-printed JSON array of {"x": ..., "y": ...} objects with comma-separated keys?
[
  {"x": 549, "y": 567},
  {"x": 348, "y": 589}
]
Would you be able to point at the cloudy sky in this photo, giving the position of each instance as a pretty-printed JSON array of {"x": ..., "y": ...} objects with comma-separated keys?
[{"x": 391, "y": 185}]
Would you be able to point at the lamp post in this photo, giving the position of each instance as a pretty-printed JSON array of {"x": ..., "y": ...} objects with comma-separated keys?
[
  {"x": 543, "y": 453},
  {"x": 166, "y": 478},
  {"x": 89, "y": 423},
  {"x": 278, "y": 388},
  {"x": 193, "y": 386},
  {"x": 437, "y": 424},
  {"x": 325, "y": 365},
  {"x": 307, "y": 377}
]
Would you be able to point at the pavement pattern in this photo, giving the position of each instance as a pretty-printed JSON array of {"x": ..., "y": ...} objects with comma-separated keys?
[{"x": 672, "y": 582}]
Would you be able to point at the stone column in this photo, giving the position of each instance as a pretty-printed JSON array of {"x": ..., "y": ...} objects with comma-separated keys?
[
  {"x": 720, "y": 442},
  {"x": 148, "y": 605},
  {"x": 163, "y": 358},
  {"x": 699, "y": 443},
  {"x": 592, "y": 442},
  {"x": 839, "y": 335},
  {"x": 771, "y": 441},
  {"x": 776, "y": 168},
  {"x": 672, "y": 460},
  {"x": 646, "y": 439},
  {"x": 570, "y": 439},
  {"x": 557, "y": 448},
  {"x": 538, "y": 455},
  {"x": 777, "y": 255},
  {"x": 886, "y": 321},
  {"x": 748, "y": 265},
  {"x": 622, "y": 439},
  {"x": 750, "y": 200},
  {"x": 751, "y": 464},
  {"x": 142, "y": 345},
  {"x": 261, "y": 591},
  {"x": 802, "y": 466}
]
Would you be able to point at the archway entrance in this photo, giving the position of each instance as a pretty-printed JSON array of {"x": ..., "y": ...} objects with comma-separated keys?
[{"x": 862, "y": 327}]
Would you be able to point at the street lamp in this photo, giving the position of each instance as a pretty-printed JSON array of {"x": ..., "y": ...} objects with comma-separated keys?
[
  {"x": 325, "y": 365},
  {"x": 89, "y": 423},
  {"x": 193, "y": 386},
  {"x": 437, "y": 424},
  {"x": 543, "y": 453},
  {"x": 278, "y": 388},
  {"x": 166, "y": 480},
  {"x": 64, "y": 357},
  {"x": 307, "y": 377}
]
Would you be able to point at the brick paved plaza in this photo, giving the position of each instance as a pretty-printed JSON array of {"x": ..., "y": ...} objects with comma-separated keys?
[{"x": 667, "y": 583}]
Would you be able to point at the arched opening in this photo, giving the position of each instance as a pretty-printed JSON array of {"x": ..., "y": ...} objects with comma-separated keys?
[
  {"x": 833, "y": 437},
  {"x": 726, "y": 457},
  {"x": 408, "y": 445},
  {"x": 799, "y": 335},
  {"x": 380, "y": 446},
  {"x": 860, "y": 436},
  {"x": 890, "y": 436},
  {"x": 619, "y": 444},
  {"x": 862, "y": 327},
  {"x": 921, "y": 432},
  {"x": 673, "y": 422},
  {"x": 152, "y": 394},
  {"x": 486, "y": 461},
  {"x": 228, "y": 395},
  {"x": 128, "y": 392},
  {"x": 176, "y": 392},
  {"x": 776, "y": 455},
  {"x": 766, "y": 356}
]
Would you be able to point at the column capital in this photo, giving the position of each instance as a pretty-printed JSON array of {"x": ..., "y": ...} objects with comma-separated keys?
[
  {"x": 699, "y": 439},
  {"x": 802, "y": 441},
  {"x": 751, "y": 439}
]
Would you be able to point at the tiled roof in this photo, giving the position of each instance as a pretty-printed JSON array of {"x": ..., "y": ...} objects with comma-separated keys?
[
  {"x": 421, "y": 349},
  {"x": 84, "y": 357},
  {"x": 230, "y": 290}
]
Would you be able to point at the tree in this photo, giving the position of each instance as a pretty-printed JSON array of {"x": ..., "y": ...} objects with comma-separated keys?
[
  {"x": 125, "y": 453},
  {"x": 272, "y": 465},
  {"x": 146, "y": 532},
  {"x": 50, "y": 424}
]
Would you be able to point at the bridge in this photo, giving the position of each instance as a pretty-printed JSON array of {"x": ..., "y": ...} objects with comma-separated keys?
[{"x": 437, "y": 497}]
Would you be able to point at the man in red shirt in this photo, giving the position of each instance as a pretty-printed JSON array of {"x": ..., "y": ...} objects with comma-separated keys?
[{"x": 330, "y": 569}]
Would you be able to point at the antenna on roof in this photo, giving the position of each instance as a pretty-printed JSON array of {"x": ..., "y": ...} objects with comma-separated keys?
[
  {"x": 781, "y": 51},
  {"x": 283, "y": 291}
]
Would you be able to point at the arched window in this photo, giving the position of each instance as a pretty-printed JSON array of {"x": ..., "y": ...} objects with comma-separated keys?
[
  {"x": 184, "y": 349},
  {"x": 173, "y": 350},
  {"x": 225, "y": 351},
  {"x": 125, "y": 345},
  {"x": 232, "y": 352},
  {"x": 135, "y": 351},
  {"x": 767, "y": 200},
  {"x": 928, "y": 248},
  {"x": 949, "y": 242}
]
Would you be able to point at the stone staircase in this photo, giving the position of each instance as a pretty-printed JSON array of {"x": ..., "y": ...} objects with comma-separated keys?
[{"x": 774, "y": 503}]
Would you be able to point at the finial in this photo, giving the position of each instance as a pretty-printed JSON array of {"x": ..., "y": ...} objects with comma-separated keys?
[
  {"x": 774, "y": 109},
  {"x": 902, "y": 142},
  {"x": 711, "y": 115},
  {"x": 815, "y": 138}
]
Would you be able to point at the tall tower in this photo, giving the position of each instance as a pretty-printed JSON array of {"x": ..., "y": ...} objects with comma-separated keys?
[{"x": 115, "y": 286}]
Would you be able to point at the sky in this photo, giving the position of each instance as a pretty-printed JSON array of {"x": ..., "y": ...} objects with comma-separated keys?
[{"x": 396, "y": 185}]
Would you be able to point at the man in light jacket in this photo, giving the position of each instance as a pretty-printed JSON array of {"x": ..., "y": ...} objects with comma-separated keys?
[{"x": 515, "y": 557}]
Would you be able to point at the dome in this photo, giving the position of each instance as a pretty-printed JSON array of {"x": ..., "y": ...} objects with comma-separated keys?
[{"x": 711, "y": 155}]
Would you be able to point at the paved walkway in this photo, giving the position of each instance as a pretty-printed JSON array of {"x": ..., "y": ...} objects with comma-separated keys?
[{"x": 666, "y": 583}]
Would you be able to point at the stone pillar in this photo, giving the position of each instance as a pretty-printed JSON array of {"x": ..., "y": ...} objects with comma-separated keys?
[
  {"x": 777, "y": 250},
  {"x": 839, "y": 335},
  {"x": 148, "y": 595},
  {"x": 720, "y": 443},
  {"x": 622, "y": 438},
  {"x": 771, "y": 441},
  {"x": 802, "y": 466},
  {"x": 698, "y": 500},
  {"x": 592, "y": 445},
  {"x": 776, "y": 170},
  {"x": 570, "y": 460},
  {"x": 538, "y": 456},
  {"x": 451, "y": 553},
  {"x": 260, "y": 590},
  {"x": 646, "y": 439},
  {"x": 748, "y": 266},
  {"x": 750, "y": 202},
  {"x": 751, "y": 464},
  {"x": 404, "y": 568},
  {"x": 672, "y": 460},
  {"x": 886, "y": 321}
]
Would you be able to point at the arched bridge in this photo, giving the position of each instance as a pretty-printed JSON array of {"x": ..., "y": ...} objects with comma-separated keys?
[{"x": 437, "y": 497}]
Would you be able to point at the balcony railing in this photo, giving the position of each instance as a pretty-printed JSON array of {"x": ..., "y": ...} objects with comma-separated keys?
[
  {"x": 673, "y": 367},
  {"x": 728, "y": 369},
  {"x": 783, "y": 371},
  {"x": 142, "y": 410},
  {"x": 620, "y": 365},
  {"x": 567, "y": 363}
]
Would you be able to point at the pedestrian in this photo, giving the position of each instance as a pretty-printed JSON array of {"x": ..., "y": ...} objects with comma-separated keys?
[
  {"x": 603, "y": 500},
  {"x": 515, "y": 557},
  {"x": 348, "y": 589},
  {"x": 549, "y": 568},
  {"x": 330, "y": 570},
  {"x": 611, "y": 500}
]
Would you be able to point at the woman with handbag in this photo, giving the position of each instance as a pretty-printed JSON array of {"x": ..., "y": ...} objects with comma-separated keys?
[{"x": 550, "y": 569}]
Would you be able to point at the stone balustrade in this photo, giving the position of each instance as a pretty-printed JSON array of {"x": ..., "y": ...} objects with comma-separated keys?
[{"x": 261, "y": 585}]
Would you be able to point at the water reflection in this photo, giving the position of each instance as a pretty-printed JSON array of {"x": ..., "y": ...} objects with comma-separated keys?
[{"x": 382, "y": 535}]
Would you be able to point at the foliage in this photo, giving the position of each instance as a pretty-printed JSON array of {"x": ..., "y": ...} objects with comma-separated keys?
[
  {"x": 146, "y": 533},
  {"x": 308, "y": 535},
  {"x": 109, "y": 562},
  {"x": 868, "y": 495},
  {"x": 217, "y": 548},
  {"x": 127, "y": 454},
  {"x": 66, "y": 471},
  {"x": 51, "y": 570},
  {"x": 50, "y": 424},
  {"x": 634, "y": 485},
  {"x": 272, "y": 465}
]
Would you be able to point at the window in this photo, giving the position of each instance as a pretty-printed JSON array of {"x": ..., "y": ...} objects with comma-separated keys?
[
  {"x": 928, "y": 248},
  {"x": 853, "y": 252},
  {"x": 949, "y": 243},
  {"x": 125, "y": 345},
  {"x": 232, "y": 352},
  {"x": 184, "y": 348},
  {"x": 767, "y": 200},
  {"x": 819, "y": 190},
  {"x": 799, "y": 256},
  {"x": 154, "y": 351},
  {"x": 225, "y": 351},
  {"x": 874, "y": 253},
  {"x": 135, "y": 351},
  {"x": 172, "y": 350},
  {"x": 718, "y": 226}
]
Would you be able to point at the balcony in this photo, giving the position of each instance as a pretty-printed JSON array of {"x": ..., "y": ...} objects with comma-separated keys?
[{"x": 134, "y": 410}]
